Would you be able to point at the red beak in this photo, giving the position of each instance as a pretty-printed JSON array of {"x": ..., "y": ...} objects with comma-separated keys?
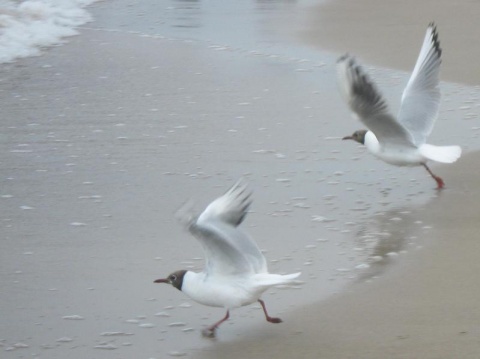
[
  {"x": 347, "y": 138},
  {"x": 163, "y": 280}
]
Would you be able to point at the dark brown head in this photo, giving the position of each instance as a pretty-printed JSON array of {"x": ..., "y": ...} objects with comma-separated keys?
[
  {"x": 175, "y": 279},
  {"x": 358, "y": 136}
]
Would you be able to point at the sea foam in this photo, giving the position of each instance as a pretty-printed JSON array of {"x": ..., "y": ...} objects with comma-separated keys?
[{"x": 29, "y": 26}]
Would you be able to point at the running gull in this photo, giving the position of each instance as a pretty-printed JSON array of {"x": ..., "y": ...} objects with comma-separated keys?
[
  {"x": 235, "y": 272},
  {"x": 399, "y": 141}
]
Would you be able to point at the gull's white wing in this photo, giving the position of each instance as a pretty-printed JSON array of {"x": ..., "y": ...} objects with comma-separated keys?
[
  {"x": 368, "y": 105},
  {"x": 421, "y": 97},
  {"x": 230, "y": 208},
  {"x": 228, "y": 250}
]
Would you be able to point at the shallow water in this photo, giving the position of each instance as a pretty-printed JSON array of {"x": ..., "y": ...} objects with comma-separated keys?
[{"x": 28, "y": 27}]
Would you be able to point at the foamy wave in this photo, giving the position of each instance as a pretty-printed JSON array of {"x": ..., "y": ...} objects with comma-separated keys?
[{"x": 27, "y": 27}]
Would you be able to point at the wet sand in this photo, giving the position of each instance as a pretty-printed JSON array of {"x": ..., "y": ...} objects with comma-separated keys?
[
  {"x": 107, "y": 136},
  {"x": 426, "y": 304},
  {"x": 386, "y": 33}
]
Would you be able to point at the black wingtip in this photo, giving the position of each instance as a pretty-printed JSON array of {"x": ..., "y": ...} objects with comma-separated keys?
[
  {"x": 349, "y": 59},
  {"x": 244, "y": 194},
  {"x": 342, "y": 58},
  {"x": 436, "y": 41}
]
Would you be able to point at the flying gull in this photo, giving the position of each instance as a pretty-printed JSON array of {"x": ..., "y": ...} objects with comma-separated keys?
[{"x": 400, "y": 141}]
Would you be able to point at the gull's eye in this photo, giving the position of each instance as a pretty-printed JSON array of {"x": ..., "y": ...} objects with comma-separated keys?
[{"x": 173, "y": 278}]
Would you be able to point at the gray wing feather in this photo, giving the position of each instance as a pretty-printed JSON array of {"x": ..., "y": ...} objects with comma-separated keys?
[
  {"x": 228, "y": 250},
  {"x": 421, "y": 97},
  {"x": 367, "y": 103}
]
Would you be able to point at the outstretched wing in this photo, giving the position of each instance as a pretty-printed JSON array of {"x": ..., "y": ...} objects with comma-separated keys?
[
  {"x": 228, "y": 250},
  {"x": 230, "y": 208},
  {"x": 421, "y": 97},
  {"x": 367, "y": 103}
]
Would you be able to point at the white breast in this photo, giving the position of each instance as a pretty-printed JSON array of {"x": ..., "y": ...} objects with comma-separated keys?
[
  {"x": 395, "y": 155},
  {"x": 229, "y": 292}
]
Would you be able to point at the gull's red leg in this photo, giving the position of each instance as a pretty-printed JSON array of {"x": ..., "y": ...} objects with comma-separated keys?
[
  {"x": 210, "y": 331},
  {"x": 269, "y": 318},
  {"x": 440, "y": 183}
]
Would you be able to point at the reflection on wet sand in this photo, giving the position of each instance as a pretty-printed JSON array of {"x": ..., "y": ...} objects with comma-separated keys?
[{"x": 388, "y": 236}]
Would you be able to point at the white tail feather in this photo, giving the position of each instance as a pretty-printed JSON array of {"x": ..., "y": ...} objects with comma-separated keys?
[
  {"x": 443, "y": 154},
  {"x": 269, "y": 279}
]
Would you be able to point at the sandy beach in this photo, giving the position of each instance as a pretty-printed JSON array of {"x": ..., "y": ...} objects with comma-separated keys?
[
  {"x": 383, "y": 32},
  {"x": 426, "y": 304},
  {"x": 105, "y": 137}
]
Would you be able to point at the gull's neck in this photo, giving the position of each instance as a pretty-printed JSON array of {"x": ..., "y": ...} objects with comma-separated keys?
[{"x": 372, "y": 143}]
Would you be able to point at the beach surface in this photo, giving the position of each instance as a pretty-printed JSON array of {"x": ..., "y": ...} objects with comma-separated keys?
[
  {"x": 105, "y": 137},
  {"x": 425, "y": 305},
  {"x": 386, "y": 33}
]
